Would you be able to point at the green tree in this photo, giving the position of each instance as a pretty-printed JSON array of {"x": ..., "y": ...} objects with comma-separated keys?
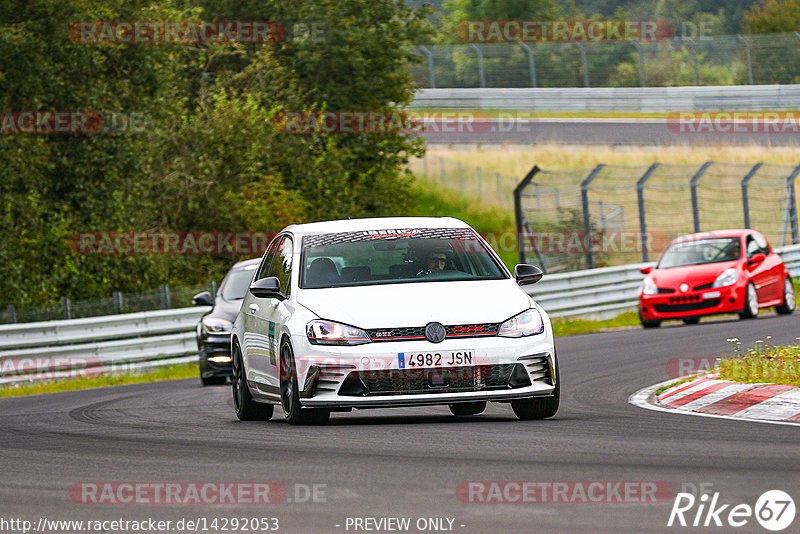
[{"x": 773, "y": 16}]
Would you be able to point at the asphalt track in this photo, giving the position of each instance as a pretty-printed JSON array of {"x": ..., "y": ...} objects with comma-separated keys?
[
  {"x": 409, "y": 462},
  {"x": 590, "y": 131}
]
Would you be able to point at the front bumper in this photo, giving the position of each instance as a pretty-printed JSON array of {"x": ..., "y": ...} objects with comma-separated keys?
[
  {"x": 371, "y": 376},
  {"x": 215, "y": 354},
  {"x": 678, "y": 305}
]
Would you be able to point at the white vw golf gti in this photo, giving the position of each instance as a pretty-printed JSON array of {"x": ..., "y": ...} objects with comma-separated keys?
[{"x": 377, "y": 313}]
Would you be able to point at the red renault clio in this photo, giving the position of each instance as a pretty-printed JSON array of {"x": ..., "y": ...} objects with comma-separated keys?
[{"x": 728, "y": 271}]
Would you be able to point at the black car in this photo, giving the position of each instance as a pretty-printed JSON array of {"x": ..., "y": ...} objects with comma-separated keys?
[{"x": 214, "y": 329}]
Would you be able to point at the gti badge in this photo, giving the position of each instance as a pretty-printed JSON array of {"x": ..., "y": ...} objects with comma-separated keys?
[{"x": 435, "y": 332}]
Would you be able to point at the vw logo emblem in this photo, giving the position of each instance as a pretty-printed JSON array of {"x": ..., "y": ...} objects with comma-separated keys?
[
  {"x": 435, "y": 332},
  {"x": 684, "y": 288}
]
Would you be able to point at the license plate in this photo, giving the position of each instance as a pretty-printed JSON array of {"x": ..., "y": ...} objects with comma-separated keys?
[{"x": 445, "y": 358}]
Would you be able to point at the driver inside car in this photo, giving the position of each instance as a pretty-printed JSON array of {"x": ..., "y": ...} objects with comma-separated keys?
[{"x": 435, "y": 261}]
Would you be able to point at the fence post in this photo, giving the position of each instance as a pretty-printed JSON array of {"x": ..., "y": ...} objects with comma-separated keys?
[
  {"x": 587, "y": 223},
  {"x": 479, "y": 178},
  {"x": 749, "y": 60},
  {"x": 585, "y": 63},
  {"x": 66, "y": 307},
  {"x": 522, "y": 223},
  {"x": 642, "y": 219},
  {"x": 745, "y": 196},
  {"x": 441, "y": 171},
  {"x": 693, "y": 184},
  {"x": 642, "y": 71},
  {"x": 431, "y": 71},
  {"x": 12, "y": 313},
  {"x": 165, "y": 300},
  {"x": 479, "y": 55},
  {"x": 116, "y": 299},
  {"x": 693, "y": 52},
  {"x": 791, "y": 204},
  {"x": 213, "y": 288},
  {"x": 462, "y": 179},
  {"x": 531, "y": 63}
]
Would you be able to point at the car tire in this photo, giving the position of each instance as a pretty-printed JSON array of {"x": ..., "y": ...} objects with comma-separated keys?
[
  {"x": 648, "y": 323},
  {"x": 750, "y": 310},
  {"x": 294, "y": 413},
  {"x": 788, "y": 304},
  {"x": 539, "y": 407},
  {"x": 691, "y": 320},
  {"x": 468, "y": 408},
  {"x": 246, "y": 408}
]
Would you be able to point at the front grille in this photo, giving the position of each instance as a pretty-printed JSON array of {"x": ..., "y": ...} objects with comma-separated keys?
[
  {"x": 665, "y": 290},
  {"x": 689, "y": 306},
  {"x": 417, "y": 333},
  {"x": 419, "y": 381},
  {"x": 704, "y": 286}
]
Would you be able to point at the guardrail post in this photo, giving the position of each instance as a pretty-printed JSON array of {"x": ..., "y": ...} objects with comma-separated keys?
[
  {"x": 585, "y": 63},
  {"x": 745, "y": 196},
  {"x": 165, "y": 300},
  {"x": 12, "y": 313},
  {"x": 479, "y": 178},
  {"x": 479, "y": 55},
  {"x": 213, "y": 288},
  {"x": 431, "y": 71},
  {"x": 522, "y": 222},
  {"x": 749, "y": 60},
  {"x": 642, "y": 219},
  {"x": 587, "y": 223},
  {"x": 693, "y": 185},
  {"x": 66, "y": 308},
  {"x": 642, "y": 71},
  {"x": 531, "y": 63},
  {"x": 461, "y": 177}
]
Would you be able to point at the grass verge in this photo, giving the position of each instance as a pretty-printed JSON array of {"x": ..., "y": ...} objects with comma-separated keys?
[
  {"x": 567, "y": 326},
  {"x": 169, "y": 372},
  {"x": 763, "y": 363}
]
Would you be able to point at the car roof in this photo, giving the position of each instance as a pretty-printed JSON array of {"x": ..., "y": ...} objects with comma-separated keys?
[
  {"x": 375, "y": 223},
  {"x": 712, "y": 235}
]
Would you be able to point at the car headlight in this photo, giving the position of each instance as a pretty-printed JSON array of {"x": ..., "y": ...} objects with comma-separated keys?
[
  {"x": 727, "y": 278},
  {"x": 215, "y": 325},
  {"x": 527, "y": 323},
  {"x": 322, "y": 332},
  {"x": 649, "y": 287}
]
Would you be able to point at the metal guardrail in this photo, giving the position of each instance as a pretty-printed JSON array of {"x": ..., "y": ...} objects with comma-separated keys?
[
  {"x": 608, "y": 291},
  {"x": 634, "y": 99},
  {"x": 55, "y": 349}
]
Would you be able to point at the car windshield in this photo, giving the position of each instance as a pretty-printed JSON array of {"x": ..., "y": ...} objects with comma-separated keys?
[
  {"x": 396, "y": 256},
  {"x": 236, "y": 284},
  {"x": 701, "y": 251}
]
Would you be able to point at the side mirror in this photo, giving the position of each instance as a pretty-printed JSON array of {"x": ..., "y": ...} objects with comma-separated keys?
[
  {"x": 757, "y": 258},
  {"x": 527, "y": 274},
  {"x": 267, "y": 288},
  {"x": 203, "y": 299},
  {"x": 646, "y": 270}
]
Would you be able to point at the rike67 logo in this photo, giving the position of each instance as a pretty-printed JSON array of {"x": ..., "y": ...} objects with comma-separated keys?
[{"x": 774, "y": 510}]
